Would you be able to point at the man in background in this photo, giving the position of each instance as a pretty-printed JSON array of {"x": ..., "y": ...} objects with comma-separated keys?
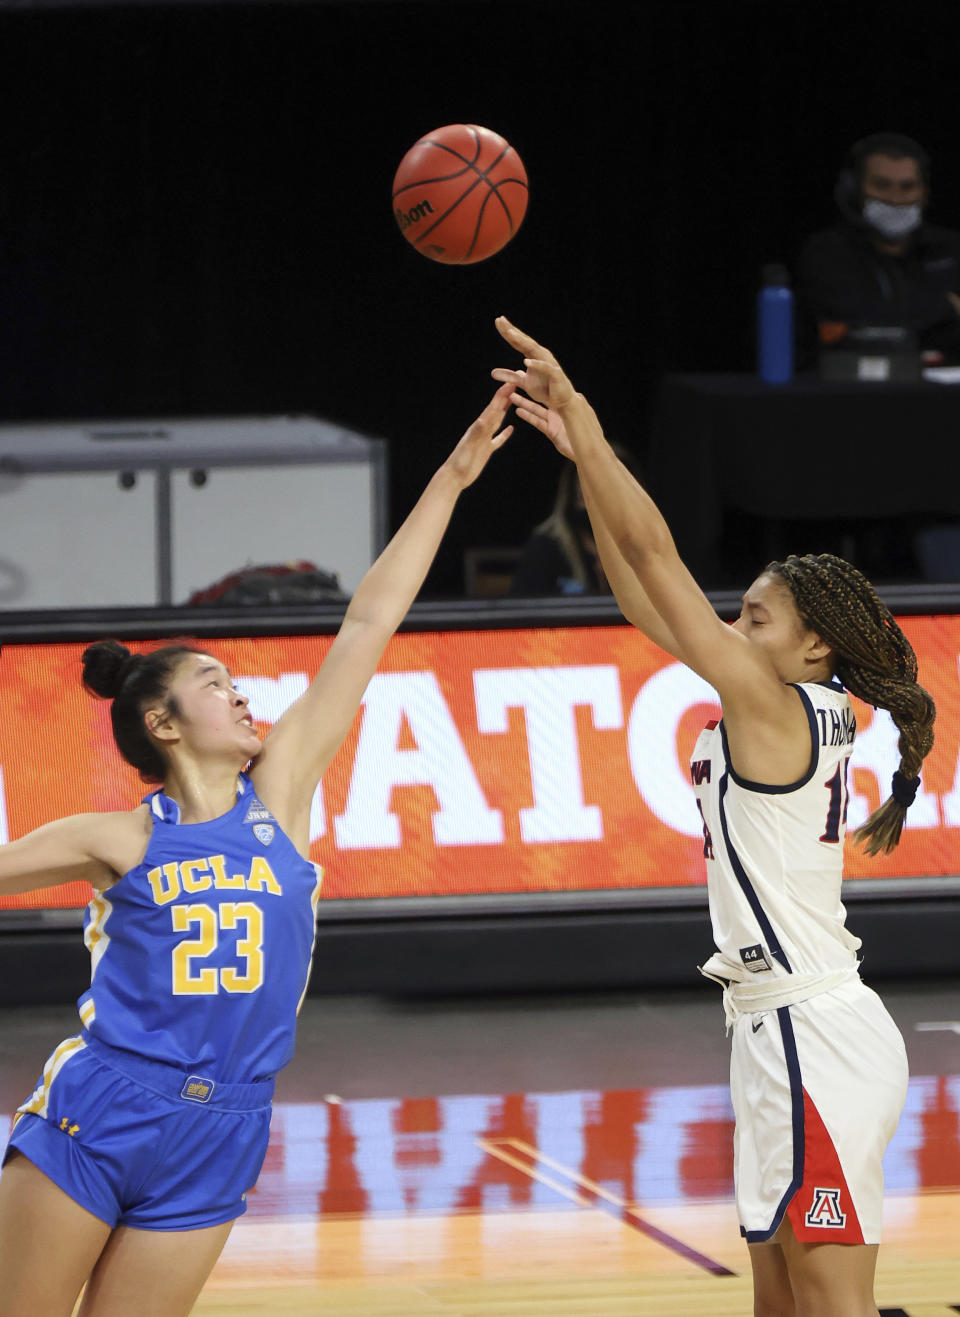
[{"x": 883, "y": 264}]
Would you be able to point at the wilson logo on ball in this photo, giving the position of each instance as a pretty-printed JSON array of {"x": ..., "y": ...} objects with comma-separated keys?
[
  {"x": 471, "y": 194},
  {"x": 407, "y": 217}
]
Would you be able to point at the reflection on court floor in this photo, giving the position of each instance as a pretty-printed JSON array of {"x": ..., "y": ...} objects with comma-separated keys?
[{"x": 645, "y": 1146}]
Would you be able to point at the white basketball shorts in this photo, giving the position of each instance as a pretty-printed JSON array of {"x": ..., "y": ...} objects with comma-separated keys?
[{"x": 817, "y": 1088}]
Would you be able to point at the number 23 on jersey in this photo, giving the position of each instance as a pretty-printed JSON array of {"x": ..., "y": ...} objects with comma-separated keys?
[{"x": 208, "y": 922}]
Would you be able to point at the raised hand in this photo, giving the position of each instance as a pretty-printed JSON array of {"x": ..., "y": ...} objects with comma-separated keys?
[
  {"x": 546, "y": 421},
  {"x": 482, "y": 438},
  {"x": 542, "y": 377}
]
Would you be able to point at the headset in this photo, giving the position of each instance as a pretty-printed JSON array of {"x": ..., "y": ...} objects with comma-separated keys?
[{"x": 897, "y": 145}]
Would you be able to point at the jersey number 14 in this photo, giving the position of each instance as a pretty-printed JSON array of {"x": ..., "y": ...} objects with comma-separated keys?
[{"x": 837, "y": 809}]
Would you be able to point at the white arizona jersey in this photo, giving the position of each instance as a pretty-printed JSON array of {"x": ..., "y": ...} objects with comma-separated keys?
[{"x": 774, "y": 854}]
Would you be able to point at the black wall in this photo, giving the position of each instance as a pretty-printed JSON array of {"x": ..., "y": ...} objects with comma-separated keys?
[
  {"x": 634, "y": 947},
  {"x": 195, "y": 204}
]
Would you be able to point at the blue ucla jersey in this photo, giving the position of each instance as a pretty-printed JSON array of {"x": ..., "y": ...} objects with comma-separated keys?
[{"x": 201, "y": 954}]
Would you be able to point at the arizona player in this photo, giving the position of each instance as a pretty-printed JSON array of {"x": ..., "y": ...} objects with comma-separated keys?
[
  {"x": 129, "y": 1163},
  {"x": 818, "y": 1069}
]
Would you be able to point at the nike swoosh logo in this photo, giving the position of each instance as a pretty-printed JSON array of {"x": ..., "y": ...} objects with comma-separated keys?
[{"x": 755, "y": 1027}]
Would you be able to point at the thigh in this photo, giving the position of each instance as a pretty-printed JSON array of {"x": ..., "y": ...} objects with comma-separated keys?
[
  {"x": 772, "y": 1294},
  {"x": 830, "y": 1280},
  {"x": 48, "y": 1243},
  {"x": 153, "y": 1273}
]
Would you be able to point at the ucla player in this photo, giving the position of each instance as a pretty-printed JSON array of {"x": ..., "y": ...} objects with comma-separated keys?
[
  {"x": 129, "y": 1163},
  {"x": 818, "y": 1069}
]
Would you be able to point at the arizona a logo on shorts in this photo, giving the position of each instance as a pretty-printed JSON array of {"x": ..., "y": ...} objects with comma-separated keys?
[{"x": 825, "y": 1211}]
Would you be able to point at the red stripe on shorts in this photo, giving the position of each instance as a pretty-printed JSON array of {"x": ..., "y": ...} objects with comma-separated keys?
[{"x": 822, "y": 1211}]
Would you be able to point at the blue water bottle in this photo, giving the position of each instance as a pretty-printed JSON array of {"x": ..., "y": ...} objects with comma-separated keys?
[{"x": 775, "y": 326}]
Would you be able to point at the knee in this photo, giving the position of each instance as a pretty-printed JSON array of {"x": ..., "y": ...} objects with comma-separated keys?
[
  {"x": 833, "y": 1298},
  {"x": 835, "y": 1306},
  {"x": 780, "y": 1306},
  {"x": 774, "y": 1301}
]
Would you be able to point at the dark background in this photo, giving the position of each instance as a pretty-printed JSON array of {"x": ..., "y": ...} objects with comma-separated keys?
[{"x": 195, "y": 205}]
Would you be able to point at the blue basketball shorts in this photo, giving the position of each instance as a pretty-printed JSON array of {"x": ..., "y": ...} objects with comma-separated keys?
[{"x": 142, "y": 1144}]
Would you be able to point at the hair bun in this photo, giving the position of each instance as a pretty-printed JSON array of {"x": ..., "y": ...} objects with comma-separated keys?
[{"x": 106, "y": 666}]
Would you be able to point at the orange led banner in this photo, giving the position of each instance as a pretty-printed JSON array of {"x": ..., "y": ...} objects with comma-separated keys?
[{"x": 481, "y": 762}]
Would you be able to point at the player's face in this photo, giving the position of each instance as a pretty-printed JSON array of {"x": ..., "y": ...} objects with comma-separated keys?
[
  {"x": 212, "y": 714},
  {"x": 769, "y": 618}
]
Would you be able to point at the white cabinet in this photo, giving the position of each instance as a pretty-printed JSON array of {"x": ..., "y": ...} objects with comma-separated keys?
[
  {"x": 67, "y": 541},
  {"x": 113, "y": 514},
  {"x": 239, "y": 515}
]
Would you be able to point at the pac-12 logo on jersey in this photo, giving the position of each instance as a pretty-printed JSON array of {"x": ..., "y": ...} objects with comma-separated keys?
[
  {"x": 825, "y": 1211},
  {"x": 263, "y": 833}
]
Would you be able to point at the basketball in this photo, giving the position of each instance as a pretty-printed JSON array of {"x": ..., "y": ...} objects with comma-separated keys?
[{"x": 460, "y": 194}]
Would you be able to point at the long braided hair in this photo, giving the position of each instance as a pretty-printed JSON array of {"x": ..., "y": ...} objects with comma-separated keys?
[{"x": 876, "y": 662}]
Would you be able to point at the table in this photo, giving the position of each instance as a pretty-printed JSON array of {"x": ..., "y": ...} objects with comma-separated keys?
[{"x": 808, "y": 450}]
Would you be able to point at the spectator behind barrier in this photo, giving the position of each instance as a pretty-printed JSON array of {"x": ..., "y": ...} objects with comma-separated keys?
[
  {"x": 561, "y": 557},
  {"x": 883, "y": 264}
]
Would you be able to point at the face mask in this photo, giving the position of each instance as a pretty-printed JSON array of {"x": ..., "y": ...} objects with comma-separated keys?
[{"x": 891, "y": 222}]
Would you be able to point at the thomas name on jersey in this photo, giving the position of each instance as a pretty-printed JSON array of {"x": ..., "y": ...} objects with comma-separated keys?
[{"x": 837, "y": 727}]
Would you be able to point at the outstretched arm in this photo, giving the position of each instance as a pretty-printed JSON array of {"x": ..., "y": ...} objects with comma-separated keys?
[
  {"x": 301, "y": 745},
  {"x": 628, "y": 592},
  {"x": 627, "y": 514},
  {"x": 92, "y": 848},
  {"x": 766, "y": 724}
]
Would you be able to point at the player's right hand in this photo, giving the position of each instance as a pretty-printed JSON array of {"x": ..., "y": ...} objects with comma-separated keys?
[
  {"x": 542, "y": 377},
  {"x": 543, "y": 419}
]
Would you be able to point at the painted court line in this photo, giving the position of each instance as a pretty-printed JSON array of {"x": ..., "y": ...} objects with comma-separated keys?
[{"x": 518, "y": 1154}]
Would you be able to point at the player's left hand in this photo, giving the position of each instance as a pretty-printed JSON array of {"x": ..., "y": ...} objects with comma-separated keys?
[{"x": 481, "y": 439}]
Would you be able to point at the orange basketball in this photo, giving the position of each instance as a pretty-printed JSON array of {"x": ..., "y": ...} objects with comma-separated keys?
[{"x": 460, "y": 194}]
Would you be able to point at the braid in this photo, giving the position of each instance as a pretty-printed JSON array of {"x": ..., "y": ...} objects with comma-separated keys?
[{"x": 874, "y": 660}]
